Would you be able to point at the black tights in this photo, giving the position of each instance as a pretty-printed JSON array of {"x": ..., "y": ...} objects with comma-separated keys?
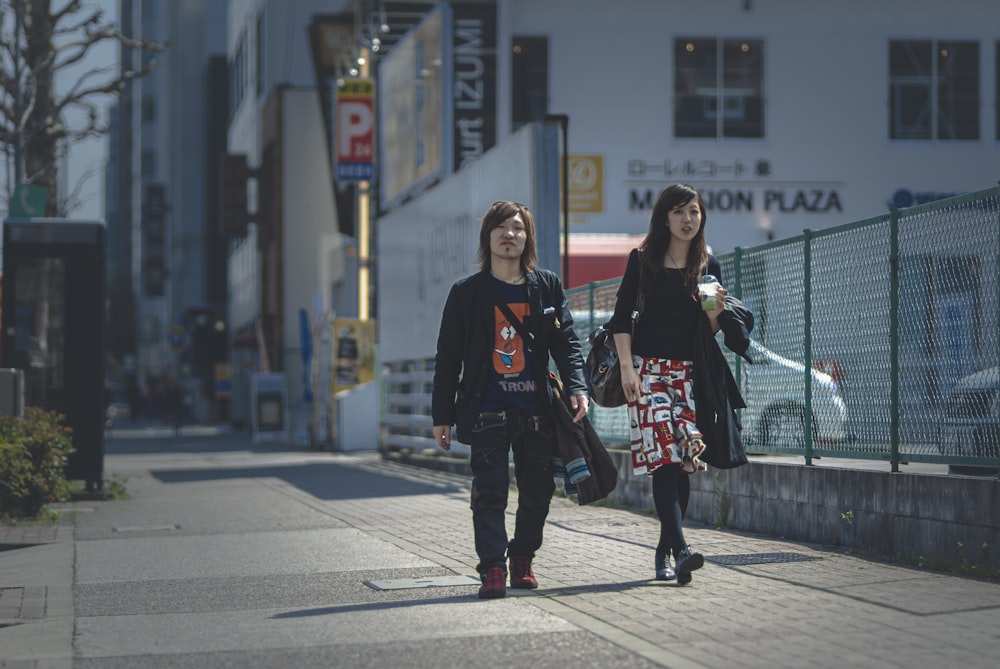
[{"x": 671, "y": 490}]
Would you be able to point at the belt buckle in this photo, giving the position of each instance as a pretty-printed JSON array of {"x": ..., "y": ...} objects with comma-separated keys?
[{"x": 493, "y": 418}]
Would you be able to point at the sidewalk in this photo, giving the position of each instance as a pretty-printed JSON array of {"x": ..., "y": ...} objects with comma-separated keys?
[{"x": 230, "y": 553}]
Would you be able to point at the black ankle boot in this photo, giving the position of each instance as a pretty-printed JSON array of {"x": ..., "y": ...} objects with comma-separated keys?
[
  {"x": 664, "y": 572},
  {"x": 688, "y": 561}
]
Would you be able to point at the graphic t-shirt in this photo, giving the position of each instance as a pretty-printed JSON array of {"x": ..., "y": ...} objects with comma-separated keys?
[{"x": 510, "y": 383}]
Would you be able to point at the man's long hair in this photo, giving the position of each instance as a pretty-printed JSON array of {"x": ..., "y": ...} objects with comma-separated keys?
[{"x": 499, "y": 212}]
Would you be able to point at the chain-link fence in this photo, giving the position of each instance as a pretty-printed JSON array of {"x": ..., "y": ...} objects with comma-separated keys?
[{"x": 876, "y": 339}]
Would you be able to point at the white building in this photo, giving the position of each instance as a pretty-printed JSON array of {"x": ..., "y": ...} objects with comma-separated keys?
[
  {"x": 786, "y": 114},
  {"x": 291, "y": 257}
]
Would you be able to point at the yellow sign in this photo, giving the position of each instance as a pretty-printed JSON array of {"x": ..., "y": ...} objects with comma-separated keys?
[
  {"x": 586, "y": 184},
  {"x": 353, "y": 352}
]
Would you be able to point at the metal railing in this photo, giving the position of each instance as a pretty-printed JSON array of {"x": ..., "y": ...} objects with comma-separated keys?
[{"x": 876, "y": 339}]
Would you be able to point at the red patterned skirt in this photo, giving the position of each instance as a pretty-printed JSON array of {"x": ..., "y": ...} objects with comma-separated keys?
[{"x": 662, "y": 427}]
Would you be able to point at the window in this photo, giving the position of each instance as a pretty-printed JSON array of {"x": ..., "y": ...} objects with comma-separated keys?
[
  {"x": 259, "y": 53},
  {"x": 237, "y": 76},
  {"x": 933, "y": 89},
  {"x": 147, "y": 167},
  {"x": 718, "y": 87},
  {"x": 148, "y": 108},
  {"x": 529, "y": 80}
]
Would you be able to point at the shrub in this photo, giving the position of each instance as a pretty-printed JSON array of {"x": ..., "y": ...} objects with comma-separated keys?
[{"x": 34, "y": 450}]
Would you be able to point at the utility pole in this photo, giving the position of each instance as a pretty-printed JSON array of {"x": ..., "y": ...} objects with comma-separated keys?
[
  {"x": 563, "y": 121},
  {"x": 16, "y": 54}
]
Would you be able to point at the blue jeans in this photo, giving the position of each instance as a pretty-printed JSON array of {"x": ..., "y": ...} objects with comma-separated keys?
[{"x": 531, "y": 438}]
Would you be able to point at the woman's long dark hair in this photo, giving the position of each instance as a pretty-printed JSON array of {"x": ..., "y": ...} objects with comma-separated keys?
[
  {"x": 654, "y": 246},
  {"x": 499, "y": 212}
]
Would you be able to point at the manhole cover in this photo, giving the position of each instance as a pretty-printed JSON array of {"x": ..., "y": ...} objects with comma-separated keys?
[
  {"x": 423, "y": 582},
  {"x": 759, "y": 558}
]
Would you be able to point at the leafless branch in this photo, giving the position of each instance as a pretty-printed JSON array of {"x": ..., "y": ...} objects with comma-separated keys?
[{"x": 74, "y": 199}]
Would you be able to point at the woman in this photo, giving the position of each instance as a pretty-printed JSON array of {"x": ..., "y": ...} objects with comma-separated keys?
[{"x": 665, "y": 440}]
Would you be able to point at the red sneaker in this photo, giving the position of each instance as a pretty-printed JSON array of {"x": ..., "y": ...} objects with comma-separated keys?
[
  {"x": 521, "y": 575},
  {"x": 494, "y": 583}
]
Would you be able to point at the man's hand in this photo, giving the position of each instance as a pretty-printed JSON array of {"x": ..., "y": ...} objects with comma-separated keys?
[
  {"x": 442, "y": 437},
  {"x": 580, "y": 404}
]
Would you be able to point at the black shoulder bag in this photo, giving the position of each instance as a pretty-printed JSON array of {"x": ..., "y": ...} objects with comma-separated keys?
[{"x": 603, "y": 367}]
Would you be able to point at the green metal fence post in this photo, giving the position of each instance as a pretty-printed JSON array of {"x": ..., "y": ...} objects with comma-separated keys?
[
  {"x": 807, "y": 421},
  {"x": 737, "y": 285},
  {"x": 894, "y": 339}
]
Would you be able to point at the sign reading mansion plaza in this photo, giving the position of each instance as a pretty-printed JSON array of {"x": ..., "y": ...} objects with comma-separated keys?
[{"x": 757, "y": 194}]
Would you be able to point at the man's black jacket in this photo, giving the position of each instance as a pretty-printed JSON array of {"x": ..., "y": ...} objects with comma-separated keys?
[{"x": 466, "y": 340}]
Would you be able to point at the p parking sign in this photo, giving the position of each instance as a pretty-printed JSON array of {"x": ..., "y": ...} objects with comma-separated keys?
[{"x": 354, "y": 130}]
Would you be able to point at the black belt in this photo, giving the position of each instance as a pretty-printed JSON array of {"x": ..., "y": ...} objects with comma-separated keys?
[{"x": 533, "y": 422}]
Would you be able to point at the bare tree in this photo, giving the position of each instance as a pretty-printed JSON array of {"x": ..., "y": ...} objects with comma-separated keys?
[{"x": 37, "y": 43}]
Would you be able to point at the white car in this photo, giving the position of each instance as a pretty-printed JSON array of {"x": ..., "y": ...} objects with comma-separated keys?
[
  {"x": 774, "y": 390},
  {"x": 971, "y": 423}
]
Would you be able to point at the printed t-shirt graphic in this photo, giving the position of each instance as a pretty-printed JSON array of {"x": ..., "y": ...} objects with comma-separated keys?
[
  {"x": 508, "y": 351},
  {"x": 510, "y": 383}
]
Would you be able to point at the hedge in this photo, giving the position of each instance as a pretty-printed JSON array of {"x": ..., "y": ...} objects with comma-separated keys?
[{"x": 34, "y": 450}]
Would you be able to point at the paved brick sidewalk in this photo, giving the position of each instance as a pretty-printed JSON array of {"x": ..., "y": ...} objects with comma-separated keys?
[
  {"x": 758, "y": 602},
  {"x": 27, "y": 534}
]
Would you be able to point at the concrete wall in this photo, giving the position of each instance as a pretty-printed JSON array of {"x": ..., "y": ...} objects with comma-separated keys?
[{"x": 933, "y": 520}]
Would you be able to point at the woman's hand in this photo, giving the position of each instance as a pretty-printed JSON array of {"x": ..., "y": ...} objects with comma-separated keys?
[
  {"x": 720, "y": 301},
  {"x": 630, "y": 382}
]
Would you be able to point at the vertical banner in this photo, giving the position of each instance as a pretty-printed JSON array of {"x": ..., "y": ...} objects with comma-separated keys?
[
  {"x": 411, "y": 94},
  {"x": 322, "y": 372},
  {"x": 354, "y": 130},
  {"x": 474, "y": 89}
]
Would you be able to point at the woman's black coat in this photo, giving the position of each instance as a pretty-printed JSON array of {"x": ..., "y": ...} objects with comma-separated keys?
[{"x": 716, "y": 393}]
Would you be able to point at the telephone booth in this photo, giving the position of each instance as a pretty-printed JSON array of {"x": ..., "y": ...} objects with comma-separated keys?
[{"x": 53, "y": 327}]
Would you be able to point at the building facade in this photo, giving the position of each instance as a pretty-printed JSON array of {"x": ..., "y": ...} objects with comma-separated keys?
[
  {"x": 787, "y": 115},
  {"x": 162, "y": 171}
]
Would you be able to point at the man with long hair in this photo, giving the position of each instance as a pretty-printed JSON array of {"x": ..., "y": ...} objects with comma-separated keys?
[{"x": 498, "y": 330}]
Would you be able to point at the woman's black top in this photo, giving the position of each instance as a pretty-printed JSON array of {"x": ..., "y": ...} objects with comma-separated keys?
[{"x": 666, "y": 326}]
